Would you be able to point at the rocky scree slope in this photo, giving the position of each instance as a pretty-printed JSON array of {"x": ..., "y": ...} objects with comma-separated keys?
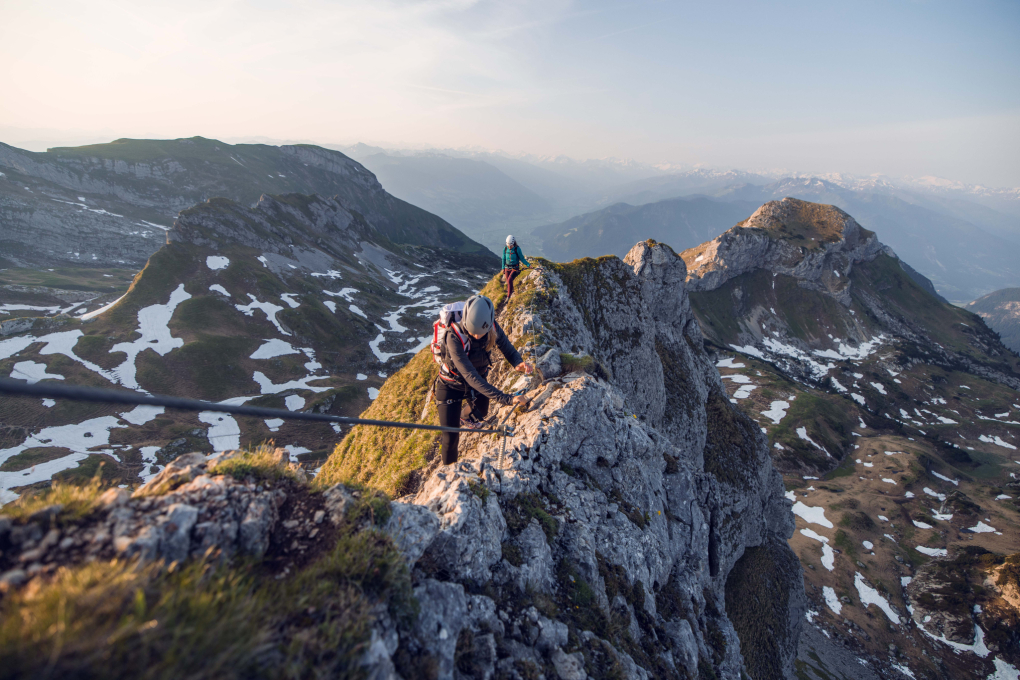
[
  {"x": 110, "y": 204},
  {"x": 295, "y": 303},
  {"x": 634, "y": 526}
]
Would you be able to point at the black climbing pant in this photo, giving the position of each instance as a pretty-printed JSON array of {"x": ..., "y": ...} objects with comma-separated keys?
[{"x": 453, "y": 403}]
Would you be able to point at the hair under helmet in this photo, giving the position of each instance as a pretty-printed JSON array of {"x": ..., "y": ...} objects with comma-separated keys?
[{"x": 479, "y": 315}]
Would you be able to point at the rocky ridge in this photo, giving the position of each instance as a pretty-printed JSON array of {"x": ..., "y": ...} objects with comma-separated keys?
[
  {"x": 639, "y": 530},
  {"x": 632, "y": 526},
  {"x": 110, "y": 204}
]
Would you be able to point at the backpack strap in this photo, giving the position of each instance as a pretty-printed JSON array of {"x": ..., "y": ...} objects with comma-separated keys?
[{"x": 446, "y": 371}]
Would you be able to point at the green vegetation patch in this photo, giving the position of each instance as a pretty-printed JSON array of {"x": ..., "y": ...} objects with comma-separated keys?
[
  {"x": 111, "y": 619},
  {"x": 259, "y": 464},
  {"x": 731, "y": 444},
  {"x": 829, "y": 423},
  {"x": 387, "y": 458},
  {"x": 75, "y": 500},
  {"x": 31, "y": 457},
  {"x": 522, "y": 508}
]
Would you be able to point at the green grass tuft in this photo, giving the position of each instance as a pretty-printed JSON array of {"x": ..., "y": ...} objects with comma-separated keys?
[
  {"x": 118, "y": 620},
  {"x": 260, "y": 464}
]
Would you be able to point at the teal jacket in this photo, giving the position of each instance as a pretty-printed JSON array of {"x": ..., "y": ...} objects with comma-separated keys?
[{"x": 512, "y": 257}]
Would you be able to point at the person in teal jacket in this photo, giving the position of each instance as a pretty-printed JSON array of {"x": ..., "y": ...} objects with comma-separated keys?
[{"x": 512, "y": 259}]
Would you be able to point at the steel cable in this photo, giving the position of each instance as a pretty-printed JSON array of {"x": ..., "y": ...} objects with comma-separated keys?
[{"x": 107, "y": 396}]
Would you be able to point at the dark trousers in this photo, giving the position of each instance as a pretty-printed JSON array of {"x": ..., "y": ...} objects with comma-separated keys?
[
  {"x": 450, "y": 414},
  {"x": 509, "y": 275}
]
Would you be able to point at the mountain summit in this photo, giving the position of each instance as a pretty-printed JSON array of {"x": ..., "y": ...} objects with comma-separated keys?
[
  {"x": 109, "y": 204},
  {"x": 809, "y": 241}
]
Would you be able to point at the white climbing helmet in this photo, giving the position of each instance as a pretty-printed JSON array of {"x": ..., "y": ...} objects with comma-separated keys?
[{"x": 511, "y": 241}]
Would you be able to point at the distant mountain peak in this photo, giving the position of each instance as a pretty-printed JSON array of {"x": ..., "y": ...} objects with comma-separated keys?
[
  {"x": 810, "y": 224},
  {"x": 811, "y": 241}
]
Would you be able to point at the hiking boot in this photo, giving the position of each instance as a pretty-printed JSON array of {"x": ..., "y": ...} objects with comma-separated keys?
[{"x": 471, "y": 424}]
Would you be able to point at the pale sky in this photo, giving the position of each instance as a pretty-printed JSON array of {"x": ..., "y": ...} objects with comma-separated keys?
[{"x": 895, "y": 87}]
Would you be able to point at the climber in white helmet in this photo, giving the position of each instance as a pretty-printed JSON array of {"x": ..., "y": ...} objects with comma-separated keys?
[
  {"x": 512, "y": 259},
  {"x": 467, "y": 357}
]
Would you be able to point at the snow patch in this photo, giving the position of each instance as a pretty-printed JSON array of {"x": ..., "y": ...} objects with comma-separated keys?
[
  {"x": 811, "y": 515},
  {"x": 870, "y": 596},
  {"x": 802, "y": 433},
  {"x": 268, "y": 308},
  {"x": 831, "y": 600},
  {"x": 216, "y": 262},
  {"x": 32, "y": 372},
  {"x": 997, "y": 441},
  {"x": 153, "y": 326},
  {"x": 273, "y": 347}
]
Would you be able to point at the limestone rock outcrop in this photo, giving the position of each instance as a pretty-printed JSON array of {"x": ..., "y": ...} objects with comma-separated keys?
[
  {"x": 778, "y": 237},
  {"x": 605, "y": 536}
]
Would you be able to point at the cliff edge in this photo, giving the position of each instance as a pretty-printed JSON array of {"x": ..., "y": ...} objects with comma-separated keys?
[{"x": 634, "y": 521}]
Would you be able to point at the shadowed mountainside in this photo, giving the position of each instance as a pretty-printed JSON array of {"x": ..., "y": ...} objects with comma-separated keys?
[{"x": 109, "y": 204}]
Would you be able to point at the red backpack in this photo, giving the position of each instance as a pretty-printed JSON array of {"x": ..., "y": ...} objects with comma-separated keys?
[{"x": 448, "y": 315}]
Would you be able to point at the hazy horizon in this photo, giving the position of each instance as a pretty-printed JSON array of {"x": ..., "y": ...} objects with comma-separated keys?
[{"x": 911, "y": 89}]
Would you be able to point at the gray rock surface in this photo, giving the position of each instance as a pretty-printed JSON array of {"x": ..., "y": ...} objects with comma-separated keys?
[
  {"x": 604, "y": 542},
  {"x": 640, "y": 519},
  {"x": 752, "y": 245}
]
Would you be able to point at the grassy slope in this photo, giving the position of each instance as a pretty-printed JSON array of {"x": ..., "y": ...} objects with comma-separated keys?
[
  {"x": 388, "y": 459},
  {"x": 384, "y": 458},
  {"x": 202, "y": 620}
]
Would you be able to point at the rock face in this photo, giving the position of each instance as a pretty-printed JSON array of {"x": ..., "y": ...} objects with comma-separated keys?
[
  {"x": 605, "y": 539},
  {"x": 110, "y": 204},
  {"x": 817, "y": 244},
  {"x": 184, "y": 512}
]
